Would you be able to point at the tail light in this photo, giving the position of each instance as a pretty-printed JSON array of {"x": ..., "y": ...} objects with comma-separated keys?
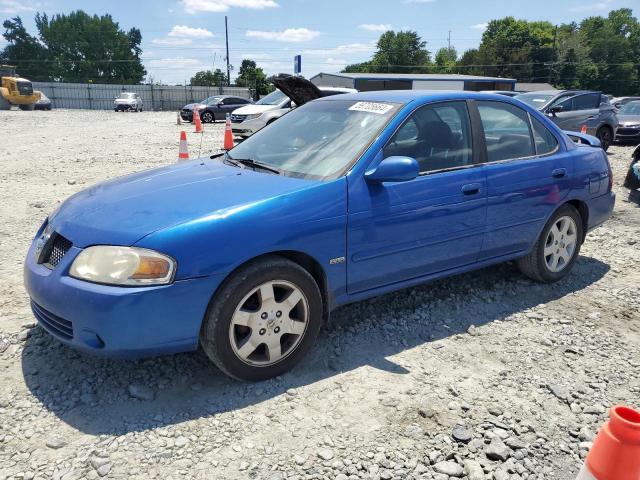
[{"x": 610, "y": 173}]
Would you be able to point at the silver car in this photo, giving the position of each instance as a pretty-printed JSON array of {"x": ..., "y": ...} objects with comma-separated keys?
[
  {"x": 629, "y": 117},
  {"x": 291, "y": 92},
  {"x": 128, "y": 102}
]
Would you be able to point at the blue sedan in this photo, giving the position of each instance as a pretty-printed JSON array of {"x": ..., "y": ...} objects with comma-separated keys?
[{"x": 347, "y": 197}]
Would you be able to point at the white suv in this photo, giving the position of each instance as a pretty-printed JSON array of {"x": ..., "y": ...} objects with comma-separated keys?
[{"x": 292, "y": 92}]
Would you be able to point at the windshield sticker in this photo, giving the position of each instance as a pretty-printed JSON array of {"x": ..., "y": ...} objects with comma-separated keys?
[{"x": 371, "y": 107}]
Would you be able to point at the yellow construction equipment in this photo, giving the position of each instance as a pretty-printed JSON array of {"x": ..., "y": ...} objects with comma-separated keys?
[{"x": 15, "y": 90}]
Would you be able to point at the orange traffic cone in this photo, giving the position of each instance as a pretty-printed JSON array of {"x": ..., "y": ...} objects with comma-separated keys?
[
  {"x": 183, "y": 151},
  {"x": 228, "y": 135},
  {"x": 178, "y": 120},
  {"x": 615, "y": 454},
  {"x": 583, "y": 129},
  {"x": 197, "y": 121}
]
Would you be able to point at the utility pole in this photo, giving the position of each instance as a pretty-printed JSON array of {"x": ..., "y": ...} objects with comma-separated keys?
[
  {"x": 226, "y": 34},
  {"x": 449, "y": 40}
]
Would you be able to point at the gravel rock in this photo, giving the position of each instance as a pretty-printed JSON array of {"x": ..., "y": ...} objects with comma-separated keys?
[
  {"x": 461, "y": 434},
  {"x": 55, "y": 442},
  {"x": 497, "y": 450},
  {"x": 325, "y": 454},
  {"x": 141, "y": 392},
  {"x": 449, "y": 468},
  {"x": 473, "y": 470}
]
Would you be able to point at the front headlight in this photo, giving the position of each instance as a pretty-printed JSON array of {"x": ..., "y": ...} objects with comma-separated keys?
[
  {"x": 129, "y": 266},
  {"x": 253, "y": 116}
]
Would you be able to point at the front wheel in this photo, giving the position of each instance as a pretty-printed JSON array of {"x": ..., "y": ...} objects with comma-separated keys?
[
  {"x": 263, "y": 320},
  {"x": 557, "y": 248},
  {"x": 28, "y": 108},
  {"x": 605, "y": 135}
]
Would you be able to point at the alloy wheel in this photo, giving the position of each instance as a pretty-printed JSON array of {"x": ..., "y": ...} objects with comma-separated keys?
[
  {"x": 269, "y": 323},
  {"x": 560, "y": 245}
]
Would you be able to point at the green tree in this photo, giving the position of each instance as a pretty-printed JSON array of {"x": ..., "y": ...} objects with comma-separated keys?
[
  {"x": 401, "y": 52},
  {"x": 253, "y": 77},
  {"x": 207, "y": 78},
  {"x": 77, "y": 47},
  {"x": 446, "y": 59},
  {"x": 24, "y": 51}
]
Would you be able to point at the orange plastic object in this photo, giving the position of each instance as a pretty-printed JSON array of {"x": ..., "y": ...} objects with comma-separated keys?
[
  {"x": 615, "y": 454},
  {"x": 228, "y": 135}
]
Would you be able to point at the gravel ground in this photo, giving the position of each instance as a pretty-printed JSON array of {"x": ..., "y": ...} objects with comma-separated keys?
[{"x": 482, "y": 376}]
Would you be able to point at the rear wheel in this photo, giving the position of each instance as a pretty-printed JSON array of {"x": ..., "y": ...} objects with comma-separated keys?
[
  {"x": 605, "y": 135},
  {"x": 263, "y": 320},
  {"x": 557, "y": 248}
]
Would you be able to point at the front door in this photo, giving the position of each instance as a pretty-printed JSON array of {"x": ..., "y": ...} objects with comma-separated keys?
[
  {"x": 577, "y": 111},
  {"x": 405, "y": 230}
]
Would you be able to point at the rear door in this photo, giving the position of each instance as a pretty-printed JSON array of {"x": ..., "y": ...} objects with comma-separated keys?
[{"x": 527, "y": 177}]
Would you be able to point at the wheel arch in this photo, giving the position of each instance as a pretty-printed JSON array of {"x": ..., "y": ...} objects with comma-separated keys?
[
  {"x": 583, "y": 210},
  {"x": 304, "y": 260}
]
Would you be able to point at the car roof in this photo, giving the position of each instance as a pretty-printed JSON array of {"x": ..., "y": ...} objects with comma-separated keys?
[{"x": 408, "y": 96}]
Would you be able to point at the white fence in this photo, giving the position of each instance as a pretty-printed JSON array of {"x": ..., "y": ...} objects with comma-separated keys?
[{"x": 94, "y": 96}]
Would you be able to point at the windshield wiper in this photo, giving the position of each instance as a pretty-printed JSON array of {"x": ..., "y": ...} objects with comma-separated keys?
[{"x": 249, "y": 162}]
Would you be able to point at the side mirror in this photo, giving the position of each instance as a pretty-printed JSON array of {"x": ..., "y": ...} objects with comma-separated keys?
[
  {"x": 555, "y": 109},
  {"x": 393, "y": 169}
]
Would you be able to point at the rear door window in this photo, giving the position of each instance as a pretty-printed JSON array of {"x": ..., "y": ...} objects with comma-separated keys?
[
  {"x": 586, "y": 102},
  {"x": 544, "y": 139},
  {"x": 506, "y": 130}
]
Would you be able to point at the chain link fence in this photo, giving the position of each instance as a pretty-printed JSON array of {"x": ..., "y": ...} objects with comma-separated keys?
[{"x": 91, "y": 96}]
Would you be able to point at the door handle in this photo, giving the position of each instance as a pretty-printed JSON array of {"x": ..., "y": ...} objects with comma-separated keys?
[
  {"x": 559, "y": 172},
  {"x": 471, "y": 188}
]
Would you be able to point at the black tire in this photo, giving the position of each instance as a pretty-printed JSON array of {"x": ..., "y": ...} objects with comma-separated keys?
[
  {"x": 605, "y": 135},
  {"x": 28, "y": 108},
  {"x": 207, "y": 117},
  {"x": 534, "y": 264},
  {"x": 214, "y": 335}
]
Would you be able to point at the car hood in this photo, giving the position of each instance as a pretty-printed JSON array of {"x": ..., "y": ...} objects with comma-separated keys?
[
  {"x": 298, "y": 89},
  {"x": 628, "y": 120},
  {"x": 191, "y": 106},
  {"x": 253, "y": 109},
  {"x": 124, "y": 210}
]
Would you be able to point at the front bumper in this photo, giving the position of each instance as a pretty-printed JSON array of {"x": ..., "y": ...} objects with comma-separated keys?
[
  {"x": 186, "y": 115},
  {"x": 247, "y": 127},
  {"x": 628, "y": 134},
  {"x": 113, "y": 321},
  {"x": 124, "y": 106}
]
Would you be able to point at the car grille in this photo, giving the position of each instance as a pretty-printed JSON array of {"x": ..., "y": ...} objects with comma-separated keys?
[
  {"x": 238, "y": 118},
  {"x": 56, "y": 326},
  {"x": 54, "y": 250}
]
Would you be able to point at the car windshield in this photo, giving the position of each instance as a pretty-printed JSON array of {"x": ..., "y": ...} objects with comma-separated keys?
[
  {"x": 631, "y": 108},
  {"x": 274, "y": 98},
  {"x": 127, "y": 96},
  {"x": 319, "y": 140},
  {"x": 211, "y": 100},
  {"x": 534, "y": 99}
]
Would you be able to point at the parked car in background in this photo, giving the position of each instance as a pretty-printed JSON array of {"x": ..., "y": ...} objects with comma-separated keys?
[
  {"x": 506, "y": 93},
  {"x": 629, "y": 118},
  {"x": 574, "y": 109},
  {"x": 620, "y": 101},
  {"x": 128, "y": 102},
  {"x": 44, "y": 103},
  {"x": 344, "y": 198},
  {"x": 632, "y": 180},
  {"x": 290, "y": 92},
  {"x": 213, "y": 108}
]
